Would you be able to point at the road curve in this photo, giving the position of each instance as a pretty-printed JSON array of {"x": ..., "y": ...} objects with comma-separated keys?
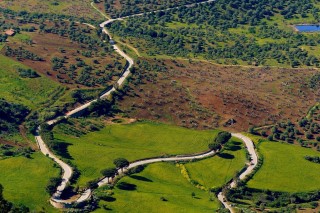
[
  {"x": 56, "y": 200},
  {"x": 67, "y": 170},
  {"x": 251, "y": 165}
]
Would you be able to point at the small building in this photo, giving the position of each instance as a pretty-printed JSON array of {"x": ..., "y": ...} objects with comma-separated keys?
[
  {"x": 112, "y": 42},
  {"x": 10, "y": 32}
]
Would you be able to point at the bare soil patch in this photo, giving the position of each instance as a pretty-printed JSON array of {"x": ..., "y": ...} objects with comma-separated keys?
[{"x": 203, "y": 95}]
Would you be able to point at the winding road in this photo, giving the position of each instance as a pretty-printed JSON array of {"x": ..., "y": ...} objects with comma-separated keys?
[
  {"x": 250, "y": 167},
  {"x": 56, "y": 199}
]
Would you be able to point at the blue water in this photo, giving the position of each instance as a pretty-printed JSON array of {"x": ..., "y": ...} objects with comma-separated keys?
[{"x": 308, "y": 28}]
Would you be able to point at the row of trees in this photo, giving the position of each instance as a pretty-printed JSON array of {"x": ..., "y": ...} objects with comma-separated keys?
[
  {"x": 120, "y": 163},
  {"x": 21, "y": 53}
]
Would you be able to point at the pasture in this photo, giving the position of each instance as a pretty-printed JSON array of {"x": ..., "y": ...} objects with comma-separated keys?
[
  {"x": 285, "y": 169},
  {"x": 216, "y": 171},
  {"x": 24, "y": 181},
  {"x": 159, "y": 188},
  {"x": 95, "y": 151}
]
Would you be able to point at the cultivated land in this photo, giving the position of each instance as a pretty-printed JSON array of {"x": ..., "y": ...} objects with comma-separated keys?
[
  {"x": 142, "y": 192},
  {"x": 132, "y": 141},
  {"x": 285, "y": 169},
  {"x": 216, "y": 171},
  {"x": 24, "y": 181},
  {"x": 203, "y": 95}
]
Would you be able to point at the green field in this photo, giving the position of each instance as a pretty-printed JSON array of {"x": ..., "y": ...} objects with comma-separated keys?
[
  {"x": 156, "y": 181},
  {"x": 26, "y": 91},
  {"x": 24, "y": 181},
  {"x": 214, "y": 172},
  {"x": 285, "y": 169},
  {"x": 132, "y": 141}
]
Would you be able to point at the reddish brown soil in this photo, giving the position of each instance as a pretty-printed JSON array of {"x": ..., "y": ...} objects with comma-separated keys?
[
  {"x": 47, "y": 46},
  {"x": 210, "y": 95}
]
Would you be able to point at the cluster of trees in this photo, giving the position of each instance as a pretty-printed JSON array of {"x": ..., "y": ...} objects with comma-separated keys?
[
  {"x": 134, "y": 7},
  {"x": 52, "y": 185},
  {"x": 303, "y": 132},
  {"x": 314, "y": 82},
  {"x": 27, "y": 73},
  {"x": 21, "y": 54},
  {"x": 120, "y": 163},
  {"x": 213, "y": 40},
  {"x": 314, "y": 159},
  {"x": 58, "y": 147},
  {"x": 271, "y": 199},
  {"x": 10, "y": 151},
  {"x": 83, "y": 36},
  {"x": 221, "y": 139},
  {"x": 6, "y": 206},
  {"x": 11, "y": 116},
  {"x": 33, "y": 17}
]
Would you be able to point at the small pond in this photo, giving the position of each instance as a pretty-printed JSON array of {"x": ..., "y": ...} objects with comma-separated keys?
[{"x": 308, "y": 28}]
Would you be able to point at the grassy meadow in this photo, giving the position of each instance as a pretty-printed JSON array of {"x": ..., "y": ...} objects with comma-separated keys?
[
  {"x": 24, "y": 181},
  {"x": 29, "y": 92},
  {"x": 214, "y": 172},
  {"x": 142, "y": 193},
  {"x": 285, "y": 169},
  {"x": 132, "y": 141}
]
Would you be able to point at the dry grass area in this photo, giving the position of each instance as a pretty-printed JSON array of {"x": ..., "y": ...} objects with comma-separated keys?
[
  {"x": 77, "y": 8},
  {"x": 203, "y": 95}
]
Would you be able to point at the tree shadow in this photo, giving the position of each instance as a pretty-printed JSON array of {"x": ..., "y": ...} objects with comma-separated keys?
[
  {"x": 61, "y": 148},
  {"x": 226, "y": 156},
  {"x": 127, "y": 186},
  {"x": 233, "y": 148},
  {"x": 137, "y": 177},
  {"x": 236, "y": 143},
  {"x": 108, "y": 198}
]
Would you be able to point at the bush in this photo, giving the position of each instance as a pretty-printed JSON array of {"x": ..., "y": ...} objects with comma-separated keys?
[
  {"x": 214, "y": 146},
  {"x": 223, "y": 137},
  {"x": 27, "y": 73}
]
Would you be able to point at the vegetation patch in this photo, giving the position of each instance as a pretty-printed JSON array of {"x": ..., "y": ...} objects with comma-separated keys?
[
  {"x": 205, "y": 96},
  {"x": 288, "y": 167},
  {"x": 132, "y": 141},
  {"x": 218, "y": 170},
  {"x": 74, "y": 8},
  {"x": 65, "y": 51},
  {"x": 159, "y": 185},
  {"x": 25, "y": 179},
  {"x": 228, "y": 32}
]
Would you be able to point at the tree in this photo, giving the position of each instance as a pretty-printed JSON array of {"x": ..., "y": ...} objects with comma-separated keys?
[
  {"x": 92, "y": 184},
  {"x": 223, "y": 137},
  {"x": 251, "y": 130},
  {"x": 109, "y": 173},
  {"x": 121, "y": 163},
  {"x": 214, "y": 146}
]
